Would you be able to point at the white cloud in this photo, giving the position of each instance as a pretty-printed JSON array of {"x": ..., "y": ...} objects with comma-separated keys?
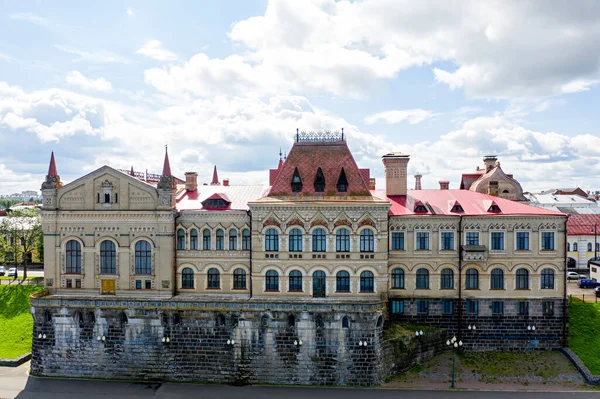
[
  {"x": 412, "y": 116},
  {"x": 155, "y": 50},
  {"x": 129, "y": 11},
  {"x": 101, "y": 57},
  {"x": 31, "y": 18},
  {"x": 75, "y": 78}
]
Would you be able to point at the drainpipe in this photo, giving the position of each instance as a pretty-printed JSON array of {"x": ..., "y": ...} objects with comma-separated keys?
[
  {"x": 175, "y": 254},
  {"x": 250, "y": 263},
  {"x": 460, "y": 304},
  {"x": 564, "y": 313}
]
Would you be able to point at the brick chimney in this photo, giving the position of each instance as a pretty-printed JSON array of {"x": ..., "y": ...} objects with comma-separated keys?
[
  {"x": 372, "y": 183},
  {"x": 395, "y": 165},
  {"x": 444, "y": 184},
  {"x": 226, "y": 182},
  {"x": 418, "y": 181},
  {"x": 191, "y": 181},
  {"x": 489, "y": 162}
]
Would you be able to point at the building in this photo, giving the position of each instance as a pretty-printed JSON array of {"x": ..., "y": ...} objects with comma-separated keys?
[
  {"x": 492, "y": 180},
  {"x": 291, "y": 282},
  {"x": 572, "y": 204},
  {"x": 583, "y": 245}
]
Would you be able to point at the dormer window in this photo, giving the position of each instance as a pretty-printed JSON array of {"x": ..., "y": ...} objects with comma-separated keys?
[
  {"x": 457, "y": 208},
  {"x": 296, "y": 181},
  {"x": 319, "y": 181},
  {"x": 494, "y": 208},
  {"x": 420, "y": 208},
  {"x": 216, "y": 201},
  {"x": 342, "y": 183},
  {"x": 106, "y": 196}
]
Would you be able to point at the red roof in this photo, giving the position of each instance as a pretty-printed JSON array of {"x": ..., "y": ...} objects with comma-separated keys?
[
  {"x": 473, "y": 203},
  {"x": 308, "y": 157},
  {"x": 582, "y": 225},
  {"x": 52, "y": 168},
  {"x": 237, "y": 196}
]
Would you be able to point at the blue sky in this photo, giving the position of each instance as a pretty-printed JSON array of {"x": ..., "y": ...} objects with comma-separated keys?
[{"x": 229, "y": 82}]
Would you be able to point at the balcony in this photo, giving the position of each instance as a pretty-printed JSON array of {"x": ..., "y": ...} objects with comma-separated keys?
[{"x": 474, "y": 252}]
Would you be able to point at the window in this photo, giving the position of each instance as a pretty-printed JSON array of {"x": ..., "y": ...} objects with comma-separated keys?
[
  {"x": 73, "y": 256},
  {"x": 366, "y": 282},
  {"x": 295, "y": 241},
  {"x": 138, "y": 284},
  {"x": 547, "y": 279},
  {"x": 497, "y": 279},
  {"x": 447, "y": 306},
  {"x": 206, "y": 240},
  {"x": 143, "y": 257},
  {"x": 295, "y": 281},
  {"x": 472, "y": 306},
  {"x": 522, "y": 279},
  {"x": 215, "y": 203},
  {"x": 457, "y": 208},
  {"x": 108, "y": 257},
  {"x": 180, "y": 239},
  {"x": 319, "y": 284},
  {"x": 589, "y": 247},
  {"x": 342, "y": 240},
  {"x": 246, "y": 240},
  {"x": 548, "y": 308},
  {"x": 472, "y": 238},
  {"x": 367, "y": 241},
  {"x": 239, "y": 279},
  {"x": 291, "y": 321},
  {"x": 271, "y": 240},
  {"x": 220, "y": 240},
  {"x": 447, "y": 241},
  {"x": 522, "y": 241},
  {"x": 233, "y": 235},
  {"x": 547, "y": 241},
  {"x": 342, "y": 183},
  {"x": 472, "y": 279},
  {"x": 194, "y": 239},
  {"x": 497, "y": 241},
  {"x": 148, "y": 284},
  {"x": 497, "y": 307},
  {"x": 422, "y": 241},
  {"x": 420, "y": 209},
  {"x": 342, "y": 281},
  {"x": 107, "y": 198},
  {"x": 69, "y": 283},
  {"x": 422, "y": 279},
  {"x": 398, "y": 279},
  {"x": 422, "y": 306},
  {"x": 397, "y": 241},
  {"x": 319, "y": 181},
  {"x": 523, "y": 308},
  {"x": 397, "y": 306},
  {"x": 568, "y": 247},
  {"x": 77, "y": 283},
  {"x": 447, "y": 281},
  {"x": 574, "y": 247},
  {"x": 272, "y": 281},
  {"x": 319, "y": 240},
  {"x": 345, "y": 322},
  {"x": 214, "y": 279},
  {"x": 187, "y": 278},
  {"x": 296, "y": 181}
]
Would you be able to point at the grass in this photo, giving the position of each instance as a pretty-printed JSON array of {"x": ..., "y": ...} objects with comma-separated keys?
[
  {"x": 512, "y": 364},
  {"x": 21, "y": 278},
  {"x": 405, "y": 330},
  {"x": 16, "y": 323},
  {"x": 584, "y": 333}
]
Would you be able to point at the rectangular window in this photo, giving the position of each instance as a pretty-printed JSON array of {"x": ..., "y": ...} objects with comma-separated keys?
[
  {"x": 397, "y": 306},
  {"x": 422, "y": 241},
  {"x": 472, "y": 238},
  {"x": 233, "y": 242},
  {"x": 138, "y": 284},
  {"x": 69, "y": 283},
  {"x": 547, "y": 241},
  {"x": 397, "y": 241},
  {"x": 246, "y": 240},
  {"x": 523, "y": 308},
  {"x": 548, "y": 308},
  {"x": 77, "y": 283},
  {"x": 522, "y": 241},
  {"x": 422, "y": 305},
  {"x": 447, "y": 306},
  {"x": 447, "y": 241},
  {"x": 497, "y": 241},
  {"x": 497, "y": 307},
  {"x": 472, "y": 306},
  {"x": 148, "y": 284}
]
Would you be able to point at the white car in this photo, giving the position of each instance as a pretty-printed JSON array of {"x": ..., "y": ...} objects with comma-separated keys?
[
  {"x": 12, "y": 271},
  {"x": 2, "y": 271},
  {"x": 574, "y": 276}
]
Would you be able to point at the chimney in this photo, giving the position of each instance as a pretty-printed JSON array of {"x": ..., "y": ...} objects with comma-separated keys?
[
  {"x": 418, "y": 181},
  {"x": 489, "y": 162},
  {"x": 372, "y": 183},
  {"x": 444, "y": 184},
  {"x": 226, "y": 182},
  {"x": 191, "y": 181},
  {"x": 395, "y": 165}
]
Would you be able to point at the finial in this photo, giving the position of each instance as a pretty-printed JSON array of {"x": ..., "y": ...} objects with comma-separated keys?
[{"x": 280, "y": 153}]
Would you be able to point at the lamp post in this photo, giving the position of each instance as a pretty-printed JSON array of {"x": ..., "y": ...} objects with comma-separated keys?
[{"x": 454, "y": 345}]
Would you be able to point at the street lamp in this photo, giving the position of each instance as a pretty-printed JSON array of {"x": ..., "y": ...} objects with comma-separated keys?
[{"x": 454, "y": 345}]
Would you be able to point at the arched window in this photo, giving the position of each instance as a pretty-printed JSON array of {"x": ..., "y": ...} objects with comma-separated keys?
[
  {"x": 345, "y": 322},
  {"x": 295, "y": 241},
  {"x": 73, "y": 257},
  {"x": 319, "y": 181},
  {"x": 108, "y": 257},
  {"x": 187, "y": 278},
  {"x": 547, "y": 279},
  {"x": 574, "y": 247},
  {"x": 447, "y": 282},
  {"x": 194, "y": 239},
  {"x": 367, "y": 241},
  {"x": 472, "y": 279},
  {"x": 246, "y": 240},
  {"x": 220, "y": 240},
  {"x": 497, "y": 282},
  {"x": 233, "y": 239},
  {"x": 272, "y": 281},
  {"x": 522, "y": 279},
  {"x": 206, "y": 240},
  {"x": 398, "y": 278},
  {"x": 342, "y": 240},
  {"x": 589, "y": 249},
  {"x": 342, "y": 281},
  {"x": 423, "y": 278},
  {"x": 214, "y": 279},
  {"x": 239, "y": 279},
  {"x": 319, "y": 284},
  {"x": 568, "y": 247},
  {"x": 291, "y": 321},
  {"x": 180, "y": 239},
  {"x": 319, "y": 240},
  {"x": 367, "y": 283},
  {"x": 143, "y": 257},
  {"x": 272, "y": 240},
  {"x": 295, "y": 281},
  {"x": 296, "y": 181}
]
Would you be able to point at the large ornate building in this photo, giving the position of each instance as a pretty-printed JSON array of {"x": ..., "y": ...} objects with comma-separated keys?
[{"x": 318, "y": 256}]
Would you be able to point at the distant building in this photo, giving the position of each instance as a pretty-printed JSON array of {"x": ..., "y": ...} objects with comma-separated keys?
[
  {"x": 27, "y": 195},
  {"x": 583, "y": 241},
  {"x": 573, "y": 204},
  {"x": 492, "y": 180}
]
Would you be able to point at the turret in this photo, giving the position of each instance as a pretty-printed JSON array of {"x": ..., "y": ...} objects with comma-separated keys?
[{"x": 50, "y": 185}]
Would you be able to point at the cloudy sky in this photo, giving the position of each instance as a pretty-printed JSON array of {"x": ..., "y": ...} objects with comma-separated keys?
[{"x": 229, "y": 82}]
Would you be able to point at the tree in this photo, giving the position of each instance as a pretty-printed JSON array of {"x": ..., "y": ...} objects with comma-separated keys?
[{"x": 22, "y": 231}]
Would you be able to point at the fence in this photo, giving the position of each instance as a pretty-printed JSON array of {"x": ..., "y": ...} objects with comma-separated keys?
[{"x": 584, "y": 298}]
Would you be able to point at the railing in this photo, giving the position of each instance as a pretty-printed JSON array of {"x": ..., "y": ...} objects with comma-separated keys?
[{"x": 316, "y": 137}]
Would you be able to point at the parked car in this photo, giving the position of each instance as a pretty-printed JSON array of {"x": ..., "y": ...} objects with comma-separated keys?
[
  {"x": 575, "y": 276},
  {"x": 597, "y": 291},
  {"x": 2, "y": 271},
  {"x": 587, "y": 283},
  {"x": 12, "y": 272}
]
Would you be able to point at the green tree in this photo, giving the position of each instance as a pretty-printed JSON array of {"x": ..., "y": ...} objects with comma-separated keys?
[{"x": 22, "y": 230}]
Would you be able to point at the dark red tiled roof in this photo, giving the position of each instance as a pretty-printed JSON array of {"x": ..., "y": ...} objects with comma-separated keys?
[
  {"x": 583, "y": 225},
  {"x": 331, "y": 157},
  {"x": 52, "y": 168}
]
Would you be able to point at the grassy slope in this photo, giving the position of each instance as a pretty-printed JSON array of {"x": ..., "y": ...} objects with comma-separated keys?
[
  {"x": 16, "y": 323},
  {"x": 584, "y": 333}
]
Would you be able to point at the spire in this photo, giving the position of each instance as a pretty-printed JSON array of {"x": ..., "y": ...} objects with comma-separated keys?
[
  {"x": 131, "y": 172},
  {"x": 52, "y": 169},
  {"x": 215, "y": 179},
  {"x": 166, "y": 166}
]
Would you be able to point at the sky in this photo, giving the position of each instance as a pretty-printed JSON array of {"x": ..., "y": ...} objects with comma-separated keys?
[{"x": 227, "y": 83}]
